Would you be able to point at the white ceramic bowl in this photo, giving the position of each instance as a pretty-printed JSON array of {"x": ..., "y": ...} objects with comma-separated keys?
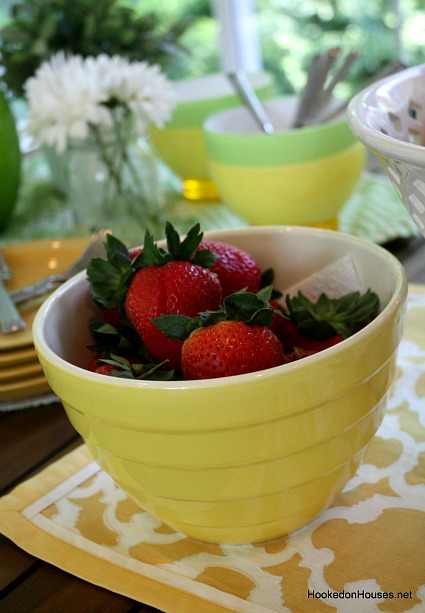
[{"x": 389, "y": 118}]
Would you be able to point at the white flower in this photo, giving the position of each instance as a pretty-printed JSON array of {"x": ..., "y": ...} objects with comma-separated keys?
[
  {"x": 69, "y": 95},
  {"x": 139, "y": 90}
]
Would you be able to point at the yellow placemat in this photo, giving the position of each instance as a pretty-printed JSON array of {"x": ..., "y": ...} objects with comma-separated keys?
[{"x": 365, "y": 553}]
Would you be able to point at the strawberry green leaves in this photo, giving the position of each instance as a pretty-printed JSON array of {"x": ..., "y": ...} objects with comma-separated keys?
[
  {"x": 267, "y": 278},
  {"x": 328, "y": 316},
  {"x": 125, "y": 353},
  {"x": 253, "y": 309},
  {"x": 175, "y": 326},
  {"x": 124, "y": 369},
  {"x": 109, "y": 279},
  {"x": 185, "y": 250},
  {"x": 108, "y": 338},
  {"x": 177, "y": 249}
]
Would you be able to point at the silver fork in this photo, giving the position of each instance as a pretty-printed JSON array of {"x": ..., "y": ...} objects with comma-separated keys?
[
  {"x": 10, "y": 319},
  {"x": 95, "y": 248}
]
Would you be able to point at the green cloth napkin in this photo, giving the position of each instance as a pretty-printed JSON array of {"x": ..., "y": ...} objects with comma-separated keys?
[{"x": 373, "y": 212}]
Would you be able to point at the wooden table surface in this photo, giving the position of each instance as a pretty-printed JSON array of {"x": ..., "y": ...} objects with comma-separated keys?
[{"x": 30, "y": 439}]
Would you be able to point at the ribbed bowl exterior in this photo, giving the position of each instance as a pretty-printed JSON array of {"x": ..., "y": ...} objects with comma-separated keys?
[
  {"x": 239, "y": 459},
  {"x": 388, "y": 118}
]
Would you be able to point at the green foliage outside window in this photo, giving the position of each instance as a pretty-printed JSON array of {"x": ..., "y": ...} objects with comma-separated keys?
[
  {"x": 37, "y": 29},
  {"x": 290, "y": 32}
]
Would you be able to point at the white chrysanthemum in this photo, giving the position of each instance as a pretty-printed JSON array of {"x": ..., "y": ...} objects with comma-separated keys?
[
  {"x": 63, "y": 101},
  {"x": 68, "y": 95},
  {"x": 146, "y": 92},
  {"x": 107, "y": 72}
]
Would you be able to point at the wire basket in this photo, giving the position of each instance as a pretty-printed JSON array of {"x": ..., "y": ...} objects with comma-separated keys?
[{"x": 388, "y": 117}]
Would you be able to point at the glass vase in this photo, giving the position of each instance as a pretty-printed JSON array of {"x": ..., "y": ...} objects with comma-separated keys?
[{"x": 113, "y": 182}]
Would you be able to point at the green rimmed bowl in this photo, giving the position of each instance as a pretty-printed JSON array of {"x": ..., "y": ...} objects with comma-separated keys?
[
  {"x": 181, "y": 144},
  {"x": 297, "y": 176}
]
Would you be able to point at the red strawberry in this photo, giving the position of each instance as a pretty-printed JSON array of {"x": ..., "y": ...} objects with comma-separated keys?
[
  {"x": 97, "y": 365},
  {"x": 230, "y": 348},
  {"x": 168, "y": 288},
  {"x": 235, "y": 268},
  {"x": 306, "y": 327},
  {"x": 112, "y": 315},
  {"x": 307, "y": 345},
  {"x": 135, "y": 251},
  {"x": 170, "y": 282},
  {"x": 279, "y": 323},
  {"x": 287, "y": 330},
  {"x": 93, "y": 362},
  {"x": 104, "y": 369},
  {"x": 176, "y": 287},
  {"x": 231, "y": 341}
]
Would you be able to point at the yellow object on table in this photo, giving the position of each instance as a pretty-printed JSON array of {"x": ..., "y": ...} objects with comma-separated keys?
[{"x": 365, "y": 553}]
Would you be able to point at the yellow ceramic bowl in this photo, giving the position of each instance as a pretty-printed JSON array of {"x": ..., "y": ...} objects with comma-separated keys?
[
  {"x": 294, "y": 176},
  {"x": 244, "y": 458},
  {"x": 181, "y": 144}
]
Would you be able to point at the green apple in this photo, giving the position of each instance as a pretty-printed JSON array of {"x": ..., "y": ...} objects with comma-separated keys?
[{"x": 10, "y": 162}]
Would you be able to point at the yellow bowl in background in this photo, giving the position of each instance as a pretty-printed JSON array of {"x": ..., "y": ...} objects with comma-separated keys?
[
  {"x": 245, "y": 458},
  {"x": 297, "y": 176},
  {"x": 180, "y": 143}
]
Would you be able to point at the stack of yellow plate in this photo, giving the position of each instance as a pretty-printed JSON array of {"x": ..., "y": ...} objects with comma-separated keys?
[{"x": 21, "y": 375}]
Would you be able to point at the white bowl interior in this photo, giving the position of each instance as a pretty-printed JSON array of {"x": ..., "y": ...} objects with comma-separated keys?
[
  {"x": 281, "y": 112},
  {"x": 292, "y": 252},
  {"x": 212, "y": 86},
  {"x": 68, "y": 336}
]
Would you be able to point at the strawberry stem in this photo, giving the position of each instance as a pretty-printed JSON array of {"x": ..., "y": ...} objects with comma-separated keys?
[{"x": 177, "y": 249}]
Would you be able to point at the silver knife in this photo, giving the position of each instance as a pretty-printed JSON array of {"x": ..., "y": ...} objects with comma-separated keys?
[{"x": 10, "y": 319}]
